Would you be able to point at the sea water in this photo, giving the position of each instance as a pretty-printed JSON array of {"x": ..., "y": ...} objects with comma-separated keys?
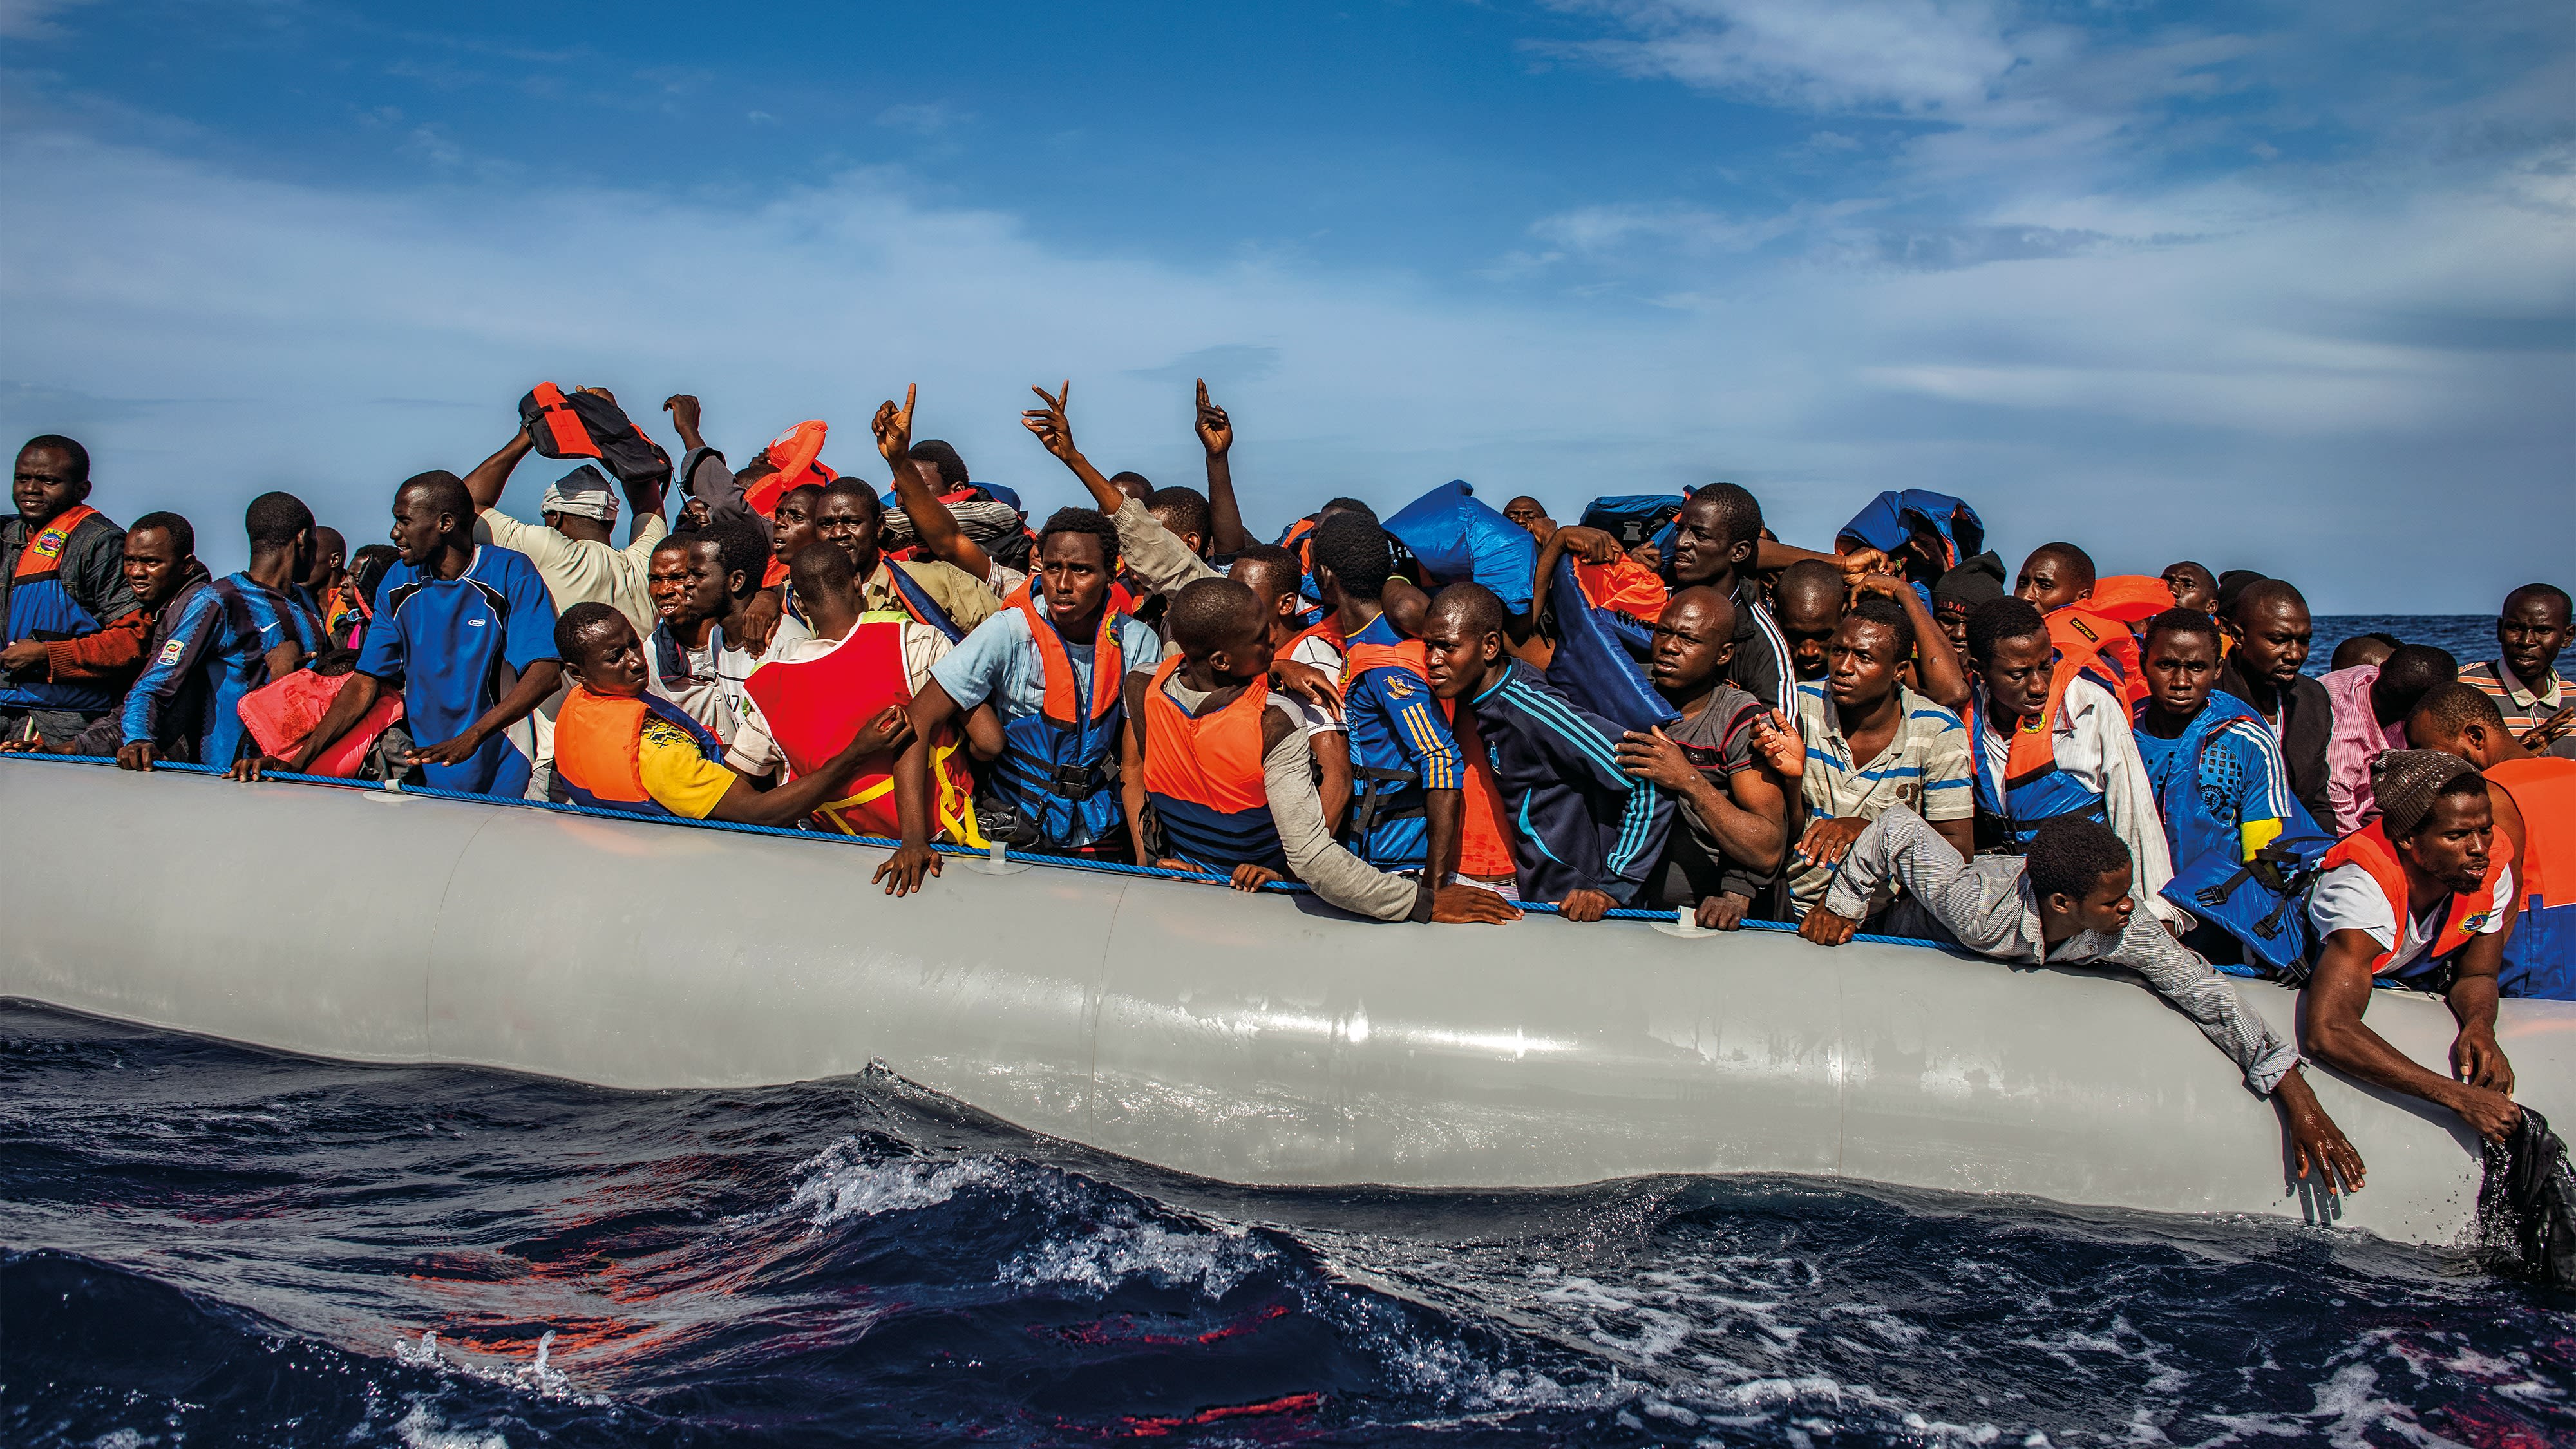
[
  {"x": 212, "y": 1245},
  {"x": 208, "y": 1245}
]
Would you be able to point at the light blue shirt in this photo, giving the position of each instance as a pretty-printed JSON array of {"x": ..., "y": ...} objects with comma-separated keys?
[{"x": 999, "y": 661}]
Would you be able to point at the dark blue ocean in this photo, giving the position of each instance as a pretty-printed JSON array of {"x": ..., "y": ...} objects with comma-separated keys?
[
  {"x": 2469, "y": 637},
  {"x": 203, "y": 1244}
]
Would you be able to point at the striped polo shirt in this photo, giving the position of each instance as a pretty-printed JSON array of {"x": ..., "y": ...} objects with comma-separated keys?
[{"x": 1924, "y": 768}]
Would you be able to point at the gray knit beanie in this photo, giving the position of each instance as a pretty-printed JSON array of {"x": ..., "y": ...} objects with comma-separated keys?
[{"x": 2405, "y": 782}]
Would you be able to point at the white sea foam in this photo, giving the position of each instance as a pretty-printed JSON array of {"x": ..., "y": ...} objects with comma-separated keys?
[{"x": 841, "y": 1183}]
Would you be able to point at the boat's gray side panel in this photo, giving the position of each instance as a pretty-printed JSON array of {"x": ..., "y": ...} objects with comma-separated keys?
[{"x": 1259, "y": 1039}]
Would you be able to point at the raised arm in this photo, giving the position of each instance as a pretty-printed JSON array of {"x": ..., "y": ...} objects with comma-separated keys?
[
  {"x": 1945, "y": 683},
  {"x": 930, "y": 518},
  {"x": 493, "y": 474},
  {"x": 684, "y": 412},
  {"x": 1054, "y": 432},
  {"x": 1216, "y": 435}
]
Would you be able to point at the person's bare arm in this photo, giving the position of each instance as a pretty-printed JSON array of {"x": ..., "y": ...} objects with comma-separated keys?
[
  {"x": 683, "y": 409},
  {"x": 1225, "y": 514},
  {"x": 536, "y": 685},
  {"x": 1748, "y": 815},
  {"x": 1333, "y": 756},
  {"x": 2331, "y": 1029},
  {"x": 1131, "y": 784},
  {"x": 347, "y": 707},
  {"x": 2476, "y": 1057},
  {"x": 1771, "y": 556},
  {"x": 1962, "y": 835},
  {"x": 931, "y": 711},
  {"x": 1588, "y": 544},
  {"x": 931, "y": 520},
  {"x": 1054, "y": 432},
  {"x": 747, "y": 804},
  {"x": 493, "y": 474},
  {"x": 1945, "y": 683},
  {"x": 1444, "y": 815}
]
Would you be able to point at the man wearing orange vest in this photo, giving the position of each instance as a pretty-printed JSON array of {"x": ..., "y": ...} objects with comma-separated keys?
[
  {"x": 807, "y": 695},
  {"x": 1228, "y": 781},
  {"x": 2422, "y": 896},
  {"x": 620, "y": 747},
  {"x": 62, "y": 577},
  {"x": 2534, "y": 797}
]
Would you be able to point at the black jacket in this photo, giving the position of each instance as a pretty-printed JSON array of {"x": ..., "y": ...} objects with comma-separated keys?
[{"x": 2307, "y": 718}]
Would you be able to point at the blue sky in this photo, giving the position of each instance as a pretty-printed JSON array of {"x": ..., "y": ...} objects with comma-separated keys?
[{"x": 2287, "y": 286}]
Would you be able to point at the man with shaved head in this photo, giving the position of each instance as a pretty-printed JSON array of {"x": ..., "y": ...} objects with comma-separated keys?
[
  {"x": 1531, "y": 514},
  {"x": 2269, "y": 621},
  {"x": 1808, "y": 601},
  {"x": 2054, "y": 576},
  {"x": 1226, "y": 776},
  {"x": 1723, "y": 857},
  {"x": 469, "y": 633},
  {"x": 1589, "y": 831}
]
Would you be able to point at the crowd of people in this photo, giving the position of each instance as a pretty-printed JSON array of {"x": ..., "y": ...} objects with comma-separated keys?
[{"x": 1438, "y": 714}]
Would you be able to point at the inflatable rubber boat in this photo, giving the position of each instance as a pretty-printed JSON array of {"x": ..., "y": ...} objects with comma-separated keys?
[{"x": 1258, "y": 1039}]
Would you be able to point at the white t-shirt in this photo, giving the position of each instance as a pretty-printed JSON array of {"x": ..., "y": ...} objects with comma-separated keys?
[
  {"x": 733, "y": 666},
  {"x": 2347, "y": 899},
  {"x": 1314, "y": 650},
  {"x": 754, "y": 752}
]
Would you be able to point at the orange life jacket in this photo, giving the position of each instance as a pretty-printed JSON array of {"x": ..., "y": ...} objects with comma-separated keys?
[
  {"x": 571, "y": 439},
  {"x": 599, "y": 750},
  {"x": 1204, "y": 777},
  {"x": 2100, "y": 630},
  {"x": 1624, "y": 586},
  {"x": 797, "y": 455},
  {"x": 813, "y": 705},
  {"x": 43, "y": 555},
  {"x": 1482, "y": 847},
  {"x": 2368, "y": 848},
  {"x": 2544, "y": 790}
]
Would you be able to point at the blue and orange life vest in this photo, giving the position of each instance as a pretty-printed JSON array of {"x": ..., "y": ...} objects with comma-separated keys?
[
  {"x": 40, "y": 607},
  {"x": 2251, "y": 885},
  {"x": 1379, "y": 794},
  {"x": 2368, "y": 848},
  {"x": 2540, "y": 956},
  {"x": 599, "y": 749},
  {"x": 813, "y": 706},
  {"x": 2031, "y": 790},
  {"x": 1059, "y": 766},
  {"x": 1203, "y": 776}
]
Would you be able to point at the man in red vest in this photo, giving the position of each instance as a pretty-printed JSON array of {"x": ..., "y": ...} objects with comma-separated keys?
[
  {"x": 2423, "y": 896},
  {"x": 810, "y": 693},
  {"x": 620, "y": 747}
]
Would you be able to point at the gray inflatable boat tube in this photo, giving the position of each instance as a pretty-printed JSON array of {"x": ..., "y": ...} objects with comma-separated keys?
[{"x": 1256, "y": 1039}]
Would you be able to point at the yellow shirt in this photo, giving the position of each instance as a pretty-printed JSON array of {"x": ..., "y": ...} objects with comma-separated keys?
[{"x": 676, "y": 775}]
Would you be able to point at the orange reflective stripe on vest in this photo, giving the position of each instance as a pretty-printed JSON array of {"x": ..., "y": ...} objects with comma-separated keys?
[
  {"x": 599, "y": 746},
  {"x": 1213, "y": 760},
  {"x": 2368, "y": 848},
  {"x": 44, "y": 551}
]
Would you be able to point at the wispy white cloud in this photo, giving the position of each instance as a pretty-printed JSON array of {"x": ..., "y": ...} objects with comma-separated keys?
[
  {"x": 33, "y": 19},
  {"x": 1907, "y": 56},
  {"x": 2275, "y": 395}
]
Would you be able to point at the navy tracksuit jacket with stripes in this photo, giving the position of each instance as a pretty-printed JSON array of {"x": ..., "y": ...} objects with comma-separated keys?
[{"x": 1578, "y": 821}]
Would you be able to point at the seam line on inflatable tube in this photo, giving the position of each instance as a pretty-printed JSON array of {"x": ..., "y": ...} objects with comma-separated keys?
[{"x": 878, "y": 842}]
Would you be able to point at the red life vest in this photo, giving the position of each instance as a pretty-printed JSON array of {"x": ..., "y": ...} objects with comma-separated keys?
[
  {"x": 812, "y": 707},
  {"x": 1482, "y": 848},
  {"x": 1204, "y": 777},
  {"x": 599, "y": 741},
  {"x": 281, "y": 715},
  {"x": 2368, "y": 848}
]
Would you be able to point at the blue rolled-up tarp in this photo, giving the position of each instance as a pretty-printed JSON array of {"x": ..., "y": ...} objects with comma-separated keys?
[
  {"x": 1459, "y": 540},
  {"x": 1890, "y": 519}
]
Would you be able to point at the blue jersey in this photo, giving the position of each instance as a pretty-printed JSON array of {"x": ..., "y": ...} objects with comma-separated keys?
[
  {"x": 216, "y": 652},
  {"x": 1578, "y": 821},
  {"x": 452, "y": 643},
  {"x": 1400, "y": 747}
]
